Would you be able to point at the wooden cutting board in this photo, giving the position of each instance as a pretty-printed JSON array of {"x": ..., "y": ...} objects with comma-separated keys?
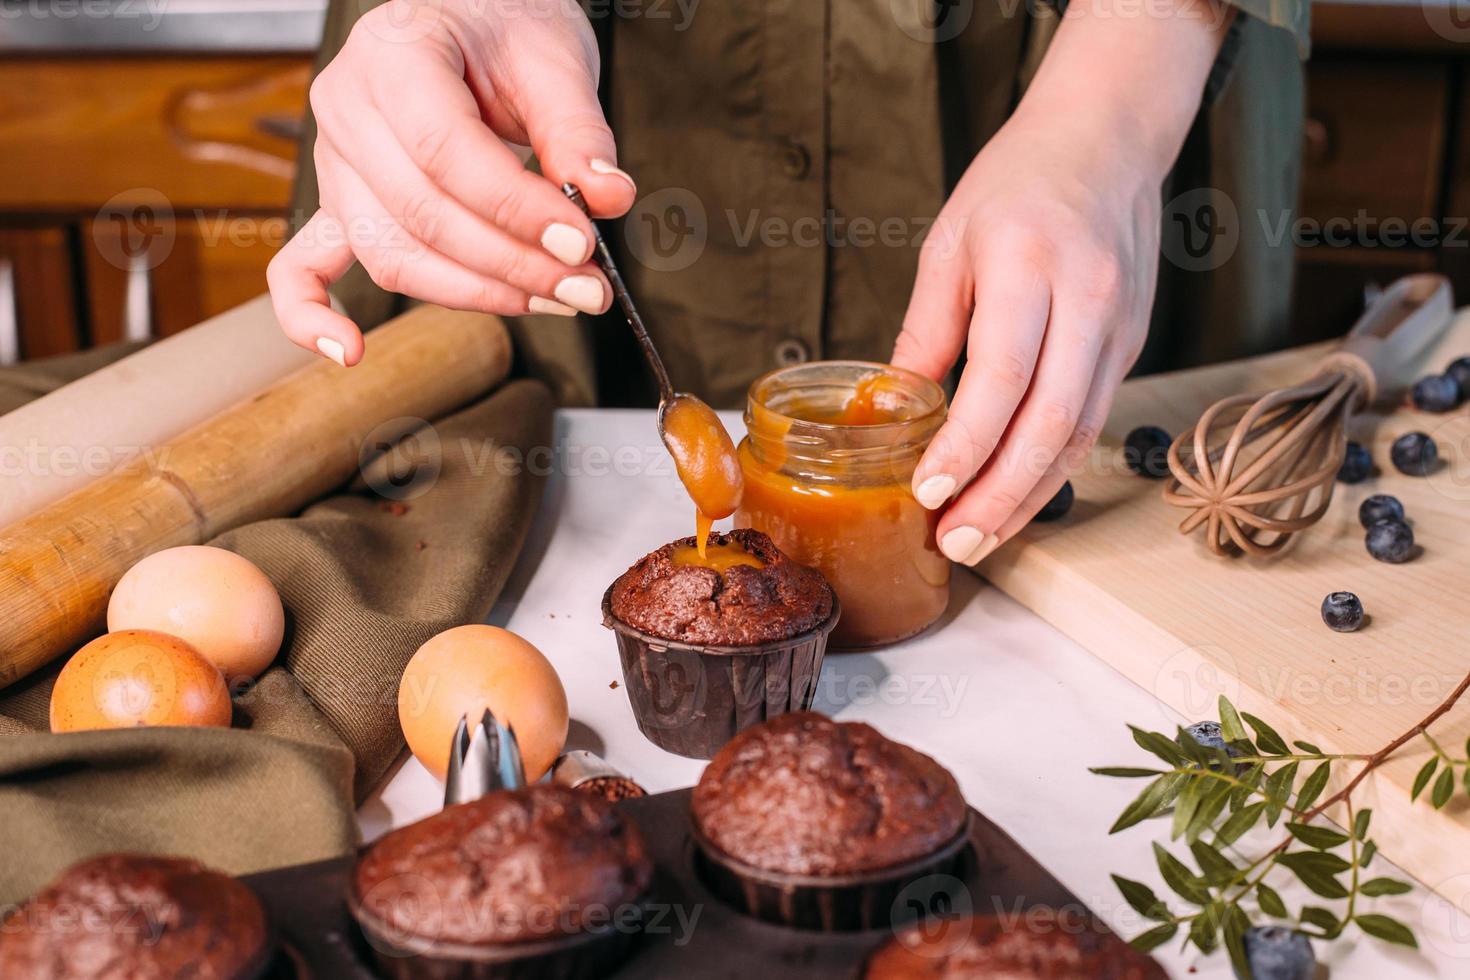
[{"x": 1116, "y": 576}]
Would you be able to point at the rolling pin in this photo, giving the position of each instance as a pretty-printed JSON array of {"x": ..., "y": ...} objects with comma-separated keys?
[
  {"x": 143, "y": 400},
  {"x": 268, "y": 456}
]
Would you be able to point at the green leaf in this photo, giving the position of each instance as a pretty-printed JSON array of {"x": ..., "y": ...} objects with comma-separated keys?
[
  {"x": 1159, "y": 745},
  {"x": 1317, "y": 870},
  {"x": 1142, "y": 899},
  {"x": 1187, "y": 802},
  {"x": 1218, "y": 869},
  {"x": 1360, "y": 824},
  {"x": 1155, "y": 937},
  {"x": 1230, "y": 725},
  {"x": 1271, "y": 902},
  {"x": 1155, "y": 797},
  {"x": 1279, "y": 786},
  {"x": 1385, "y": 928},
  {"x": 1249, "y": 781},
  {"x": 1241, "y": 821},
  {"x": 1313, "y": 785},
  {"x": 1236, "y": 926},
  {"x": 1365, "y": 857},
  {"x": 1444, "y": 788},
  {"x": 1307, "y": 747},
  {"x": 1385, "y": 886},
  {"x": 1322, "y": 918},
  {"x": 1124, "y": 772},
  {"x": 1266, "y": 736},
  {"x": 1178, "y": 877},
  {"x": 1210, "y": 808},
  {"x": 1319, "y": 837},
  {"x": 1422, "y": 779},
  {"x": 1203, "y": 931}
]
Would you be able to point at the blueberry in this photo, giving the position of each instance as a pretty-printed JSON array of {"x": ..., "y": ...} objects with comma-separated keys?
[
  {"x": 1279, "y": 953},
  {"x": 1357, "y": 464},
  {"x": 1459, "y": 369},
  {"x": 1058, "y": 505},
  {"x": 1209, "y": 734},
  {"x": 1415, "y": 454},
  {"x": 1380, "y": 507},
  {"x": 1342, "y": 611},
  {"x": 1436, "y": 393},
  {"x": 1390, "y": 541},
  {"x": 1146, "y": 451}
]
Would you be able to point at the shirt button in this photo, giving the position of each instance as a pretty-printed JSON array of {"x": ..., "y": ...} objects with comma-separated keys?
[
  {"x": 795, "y": 160},
  {"x": 792, "y": 352}
]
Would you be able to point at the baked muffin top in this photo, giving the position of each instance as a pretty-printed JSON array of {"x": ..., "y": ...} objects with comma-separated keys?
[
  {"x": 802, "y": 794},
  {"x": 513, "y": 866},
  {"x": 1038, "y": 944},
  {"x": 135, "y": 917},
  {"x": 740, "y": 606}
]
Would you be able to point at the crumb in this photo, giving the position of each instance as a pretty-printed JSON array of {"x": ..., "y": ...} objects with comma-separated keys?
[
  {"x": 395, "y": 507},
  {"x": 422, "y": 545},
  {"x": 613, "y": 686},
  {"x": 551, "y": 615}
]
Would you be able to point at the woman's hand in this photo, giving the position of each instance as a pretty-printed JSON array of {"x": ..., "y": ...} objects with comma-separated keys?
[
  {"x": 417, "y": 118},
  {"x": 1042, "y": 266}
]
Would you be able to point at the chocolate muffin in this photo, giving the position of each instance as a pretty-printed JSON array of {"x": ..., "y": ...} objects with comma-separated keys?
[
  {"x": 741, "y": 605},
  {"x": 1040, "y": 944},
  {"x": 520, "y": 875},
  {"x": 710, "y": 647},
  {"x": 816, "y": 824},
  {"x": 133, "y": 917},
  {"x": 806, "y": 795}
]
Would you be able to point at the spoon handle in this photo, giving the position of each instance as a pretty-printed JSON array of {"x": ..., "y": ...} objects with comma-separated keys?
[{"x": 625, "y": 299}]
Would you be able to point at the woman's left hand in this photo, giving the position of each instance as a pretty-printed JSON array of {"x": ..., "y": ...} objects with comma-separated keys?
[{"x": 1041, "y": 267}]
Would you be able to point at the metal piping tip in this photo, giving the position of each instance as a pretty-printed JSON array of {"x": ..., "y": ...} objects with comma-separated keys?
[{"x": 482, "y": 759}]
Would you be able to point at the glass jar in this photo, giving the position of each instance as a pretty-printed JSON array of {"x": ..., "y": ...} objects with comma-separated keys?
[{"x": 828, "y": 457}]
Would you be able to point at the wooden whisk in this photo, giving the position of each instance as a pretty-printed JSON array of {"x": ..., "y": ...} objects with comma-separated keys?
[{"x": 1257, "y": 469}]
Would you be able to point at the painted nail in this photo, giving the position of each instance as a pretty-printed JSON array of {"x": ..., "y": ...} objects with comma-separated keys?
[
  {"x": 540, "y": 305},
  {"x": 968, "y": 545},
  {"x": 565, "y": 243},
  {"x": 333, "y": 349},
  {"x": 933, "y": 492},
  {"x": 583, "y": 292},
  {"x": 603, "y": 167}
]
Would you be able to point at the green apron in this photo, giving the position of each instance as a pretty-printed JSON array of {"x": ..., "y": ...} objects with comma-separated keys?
[{"x": 790, "y": 155}]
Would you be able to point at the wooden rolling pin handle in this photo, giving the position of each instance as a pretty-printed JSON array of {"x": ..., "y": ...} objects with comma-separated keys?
[{"x": 1385, "y": 345}]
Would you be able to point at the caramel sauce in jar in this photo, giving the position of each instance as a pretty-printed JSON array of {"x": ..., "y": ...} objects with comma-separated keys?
[
  {"x": 704, "y": 455},
  {"x": 828, "y": 457}
]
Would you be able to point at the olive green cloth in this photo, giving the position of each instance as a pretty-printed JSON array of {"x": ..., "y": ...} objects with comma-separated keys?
[
  {"x": 791, "y": 154},
  {"x": 364, "y": 581}
]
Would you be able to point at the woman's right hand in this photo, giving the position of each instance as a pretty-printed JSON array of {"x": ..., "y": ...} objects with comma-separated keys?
[{"x": 417, "y": 119}]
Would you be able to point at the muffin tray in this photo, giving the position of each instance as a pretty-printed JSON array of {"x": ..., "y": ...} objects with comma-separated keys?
[{"x": 321, "y": 942}]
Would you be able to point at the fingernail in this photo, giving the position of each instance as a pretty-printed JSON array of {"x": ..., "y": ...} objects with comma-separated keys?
[
  {"x": 566, "y": 243},
  {"x": 583, "y": 292},
  {"x": 603, "y": 167},
  {"x": 933, "y": 492},
  {"x": 967, "y": 545},
  {"x": 333, "y": 349},
  {"x": 539, "y": 305}
]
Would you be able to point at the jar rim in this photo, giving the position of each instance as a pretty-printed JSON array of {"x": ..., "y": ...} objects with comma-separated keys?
[{"x": 923, "y": 387}]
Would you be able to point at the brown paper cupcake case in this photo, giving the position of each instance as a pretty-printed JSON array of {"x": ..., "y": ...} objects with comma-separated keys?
[
  {"x": 880, "y": 899},
  {"x": 577, "y": 957},
  {"x": 691, "y": 699}
]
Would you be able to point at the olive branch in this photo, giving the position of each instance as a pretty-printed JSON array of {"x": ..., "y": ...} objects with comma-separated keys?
[{"x": 1217, "y": 795}]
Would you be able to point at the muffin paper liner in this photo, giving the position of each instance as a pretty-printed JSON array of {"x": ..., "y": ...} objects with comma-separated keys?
[
  {"x": 582, "y": 956},
  {"x": 838, "y": 903},
  {"x": 691, "y": 699}
]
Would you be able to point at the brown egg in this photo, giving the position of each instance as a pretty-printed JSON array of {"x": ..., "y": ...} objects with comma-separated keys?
[
  {"x": 138, "y": 677},
  {"x": 211, "y": 598},
  {"x": 465, "y": 670}
]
